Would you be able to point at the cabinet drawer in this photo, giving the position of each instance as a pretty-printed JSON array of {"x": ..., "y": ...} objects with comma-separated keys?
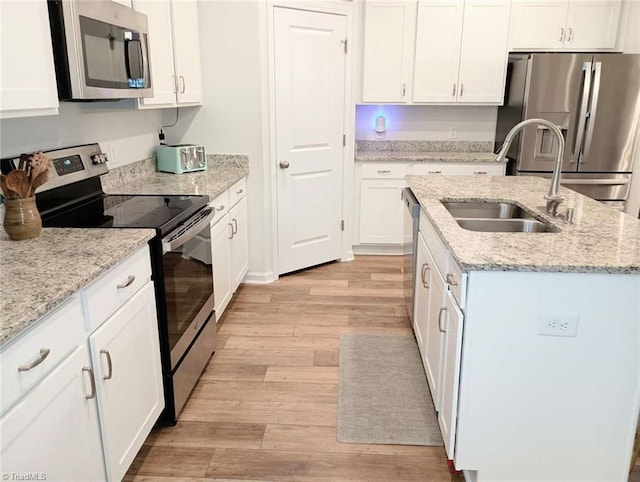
[
  {"x": 221, "y": 205},
  {"x": 105, "y": 295},
  {"x": 386, "y": 170},
  {"x": 435, "y": 245},
  {"x": 457, "y": 281},
  {"x": 459, "y": 168},
  {"x": 237, "y": 191},
  {"x": 50, "y": 341}
]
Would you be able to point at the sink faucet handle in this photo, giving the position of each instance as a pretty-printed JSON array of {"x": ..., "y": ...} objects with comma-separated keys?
[{"x": 552, "y": 204}]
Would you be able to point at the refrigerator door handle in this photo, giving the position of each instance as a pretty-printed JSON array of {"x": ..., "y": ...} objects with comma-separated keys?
[
  {"x": 582, "y": 116},
  {"x": 597, "y": 72}
]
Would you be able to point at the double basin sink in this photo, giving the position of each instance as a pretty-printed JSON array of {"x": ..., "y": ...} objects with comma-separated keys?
[{"x": 496, "y": 217}]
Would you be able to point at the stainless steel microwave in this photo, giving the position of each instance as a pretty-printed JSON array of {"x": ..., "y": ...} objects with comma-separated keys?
[{"x": 101, "y": 50}]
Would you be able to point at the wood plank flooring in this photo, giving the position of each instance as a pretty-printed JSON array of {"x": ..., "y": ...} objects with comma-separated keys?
[{"x": 265, "y": 407}]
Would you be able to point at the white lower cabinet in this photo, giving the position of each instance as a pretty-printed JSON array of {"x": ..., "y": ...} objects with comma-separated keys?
[
  {"x": 126, "y": 358},
  {"x": 54, "y": 430},
  {"x": 221, "y": 233},
  {"x": 239, "y": 243}
]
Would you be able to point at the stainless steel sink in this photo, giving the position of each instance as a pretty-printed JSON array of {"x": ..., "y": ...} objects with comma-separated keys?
[
  {"x": 506, "y": 225},
  {"x": 491, "y": 210}
]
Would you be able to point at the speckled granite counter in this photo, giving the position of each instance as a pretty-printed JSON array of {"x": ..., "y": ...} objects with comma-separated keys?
[
  {"x": 39, "y": 274},
  {"x": 408, "y": 156},
  {"x": 601, "y": 239},
  {"x": 424, "y": 151}
]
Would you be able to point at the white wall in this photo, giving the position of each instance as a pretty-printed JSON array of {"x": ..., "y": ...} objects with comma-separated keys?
[
  {"x": 428, "y": 123},
  {"x": 631, "y": 45},
  {"x": 233, "y": 52},
  {"x": 125, "y": 134}
]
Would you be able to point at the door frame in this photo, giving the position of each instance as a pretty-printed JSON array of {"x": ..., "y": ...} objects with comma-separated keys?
[{"x": 344, "y": 8}]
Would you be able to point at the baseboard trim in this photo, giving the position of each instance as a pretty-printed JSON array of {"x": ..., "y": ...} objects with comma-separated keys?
[
  {"x": 256, "y": 278},
  {"x": 378, "y": 249},
  {"x": 347, "y": 257}
]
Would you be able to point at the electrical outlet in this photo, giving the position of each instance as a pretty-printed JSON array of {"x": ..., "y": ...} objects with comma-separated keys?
[
  {"x": 453, "y": 132},
  {"x": 558, "y": 325}
]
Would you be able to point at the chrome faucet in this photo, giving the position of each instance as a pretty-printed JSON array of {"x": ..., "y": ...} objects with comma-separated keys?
[{"x": 553, "y": 198}]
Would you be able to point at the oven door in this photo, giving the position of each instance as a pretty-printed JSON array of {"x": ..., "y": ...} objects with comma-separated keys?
[{"x": 188, "y": 282}]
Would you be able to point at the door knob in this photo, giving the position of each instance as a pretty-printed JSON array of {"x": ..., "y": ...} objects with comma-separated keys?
[{"x": 284, "y": 164}]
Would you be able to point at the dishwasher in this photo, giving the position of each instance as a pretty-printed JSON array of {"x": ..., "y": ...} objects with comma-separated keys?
[{"x": 411, "y": 216}]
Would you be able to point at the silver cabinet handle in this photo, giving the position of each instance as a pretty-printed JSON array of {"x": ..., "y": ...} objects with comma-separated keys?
[
  {"x": 240, "y": 191},
  {"x": 220, "y": 208},
  {"x": 176, "y": 87},
  {"x": 480, "y": 172},
  {"x": 570, "y": 34},
  {"x": 404, "y": 89},
  {"x": 109, "y": 364},
  {"x": 283, "y": 164},
  {"x": 232, "y": 233},
  {"x": 384, "y": 171},
  {"x": 561, "y": 39},
  {"x": 461, "y": 88},
  {"x": 184, "y": 85},
  {"x": 442, "y": 310},
  {"x": 93, "y": 383},
  {"x": 129, "y": 282},
  {"x": 44, "y": 353},
  {"x": 450, "y": 279},
  {"x": 453, "y": 92},
  {"x": 434, "y": 172},
  {"x": 234, "y": 228},
  {"x": 425, "y": 268}
]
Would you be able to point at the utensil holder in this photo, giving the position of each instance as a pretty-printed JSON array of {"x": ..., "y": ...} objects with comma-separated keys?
[{"x": 22, "y": 219}]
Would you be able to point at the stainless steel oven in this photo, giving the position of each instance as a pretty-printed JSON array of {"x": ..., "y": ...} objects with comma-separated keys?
[
  {"x": 411, "y": 218},
  {"x": 100, "y": 50}
]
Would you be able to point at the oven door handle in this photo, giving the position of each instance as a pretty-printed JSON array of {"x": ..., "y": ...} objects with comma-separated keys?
[{"x": 188, "y": 230}]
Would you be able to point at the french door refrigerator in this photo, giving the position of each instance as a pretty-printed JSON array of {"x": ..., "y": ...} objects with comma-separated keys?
[{"x": 595, "y": 101}]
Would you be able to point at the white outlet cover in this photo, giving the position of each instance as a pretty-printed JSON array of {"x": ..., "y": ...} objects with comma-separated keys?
[{"x": 558, "y": 325}]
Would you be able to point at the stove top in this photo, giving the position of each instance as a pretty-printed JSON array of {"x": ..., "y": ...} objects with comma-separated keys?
[{"x": 161, "y": 213}]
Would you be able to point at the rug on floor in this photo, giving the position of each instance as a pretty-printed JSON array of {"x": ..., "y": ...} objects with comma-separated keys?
[{"x": 383, "y": 396}]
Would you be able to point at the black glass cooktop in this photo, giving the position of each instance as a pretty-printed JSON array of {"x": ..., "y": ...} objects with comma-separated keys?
[{"x": 162, "y": 213}]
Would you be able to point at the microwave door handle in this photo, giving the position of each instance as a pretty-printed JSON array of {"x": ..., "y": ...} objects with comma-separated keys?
[
  {"x": 597, "y": 72},
  {"x": 178, "y": 237},
  {"x": 139, "y": 57},
  {"x": 582, "y": 116}
]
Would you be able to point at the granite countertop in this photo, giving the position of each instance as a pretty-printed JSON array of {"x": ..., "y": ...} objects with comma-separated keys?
[
  {"x": 600, "y": 240},
  {"x": 39, "y": 274},
  {"x": 424, "y": 156},
  {"x": 424, "y": 151}
]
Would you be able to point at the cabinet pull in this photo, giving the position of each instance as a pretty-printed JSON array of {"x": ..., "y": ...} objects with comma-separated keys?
[
  {"x": 232, "y": 233},
  {"x": 480, "y": 172},
  {"x": 184, "y": 85},
  {"x": 404, "y": 89},
  {"x": 570, "y": 34},
  {"x": 109, "y": 364},
  {"x": 384, "y": 171},
  {"x": 240, "y": 191},
  {"x": 44, "y": 353},
  {"x": 442, "y": 310},
  {"x": 220, "y": 208},
  {"x": 93, "y": 383},
  {"x": 175, "y": 84},
  {"x": 129, "y": 282},
  {"x": 425, "y": 268},
  {"x": 234, "y": 228},
  {"x": 461, "y": 88},
  {"x": 453, "y": 92},
  {"x": 434, "y": 172},
  {"x": 561, "y": 39},
  {"x": 451, "y": 279}
]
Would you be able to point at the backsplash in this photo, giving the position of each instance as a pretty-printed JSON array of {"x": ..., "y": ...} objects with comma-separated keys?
[{"x": 424, "y": 146}]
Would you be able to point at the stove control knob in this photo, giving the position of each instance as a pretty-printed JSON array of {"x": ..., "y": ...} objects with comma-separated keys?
[{"x": 99, "y": 158}]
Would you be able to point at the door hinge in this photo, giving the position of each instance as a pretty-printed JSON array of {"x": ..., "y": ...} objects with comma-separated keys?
[
  {"x": 342, "y": 225},
  {"x": 346, "y": 45},
  {"x": 344, "y": 140}
]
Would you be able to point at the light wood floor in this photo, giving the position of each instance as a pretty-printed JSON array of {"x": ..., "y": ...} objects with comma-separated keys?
[{"x": 265, "y": 407}]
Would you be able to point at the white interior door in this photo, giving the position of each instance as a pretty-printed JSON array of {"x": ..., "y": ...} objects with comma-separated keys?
[{"x": 309, "y": 110}]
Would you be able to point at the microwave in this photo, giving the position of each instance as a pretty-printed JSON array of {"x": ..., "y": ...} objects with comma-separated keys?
[{"x": 100, "y": 50}]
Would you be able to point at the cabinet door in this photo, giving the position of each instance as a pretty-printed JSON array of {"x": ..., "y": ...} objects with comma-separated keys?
[
  {"x": 421, "y": 300},
  {"x": 27, "y": 79},
  {"x": 592, "y": 24},
  {"x": 381, "y": 211},
  {"x": 126, "y": 358},
  {"x": 54, "y": 430},
  {"x": 453, "y": 324},
  {"x": 221, "y": 234},
  {"x": 437, "y": 51},
  {"x": 538, "y": 24},
  {"x": 186, "y": 50},
  {"x": 389, "y": 29},
  {"x": 434, "y": 342},
  {"x": 163, "y": 81},
  {"x": 239, "y": 243},
  {"x": 483, "y": 56}
]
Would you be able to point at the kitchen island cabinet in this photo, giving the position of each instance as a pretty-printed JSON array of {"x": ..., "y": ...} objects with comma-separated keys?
[{"x": 541, "y": 335}]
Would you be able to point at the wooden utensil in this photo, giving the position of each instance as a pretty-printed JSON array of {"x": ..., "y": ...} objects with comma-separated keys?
[
  {"x": 8, "y": 193},
  {"x": 18, "y": 182},
  {"x": 38, "y": 181},
  {"x": 38, "y": 162}
]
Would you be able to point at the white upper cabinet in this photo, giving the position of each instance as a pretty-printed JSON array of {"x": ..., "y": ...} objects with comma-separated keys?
[
  {"x": 388, "y": 48},
  {"x": 448, "y": 52},
  {"x": 564, "y": 25},
  {"x": 27, "y": 77},
  {"x": 174, "y": 51}
]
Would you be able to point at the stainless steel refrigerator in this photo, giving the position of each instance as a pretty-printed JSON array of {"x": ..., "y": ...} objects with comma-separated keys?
[{"x": 594, "y": 99}]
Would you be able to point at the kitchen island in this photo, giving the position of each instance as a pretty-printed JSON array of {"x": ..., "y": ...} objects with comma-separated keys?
[{"x": 530, "y": 341}]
